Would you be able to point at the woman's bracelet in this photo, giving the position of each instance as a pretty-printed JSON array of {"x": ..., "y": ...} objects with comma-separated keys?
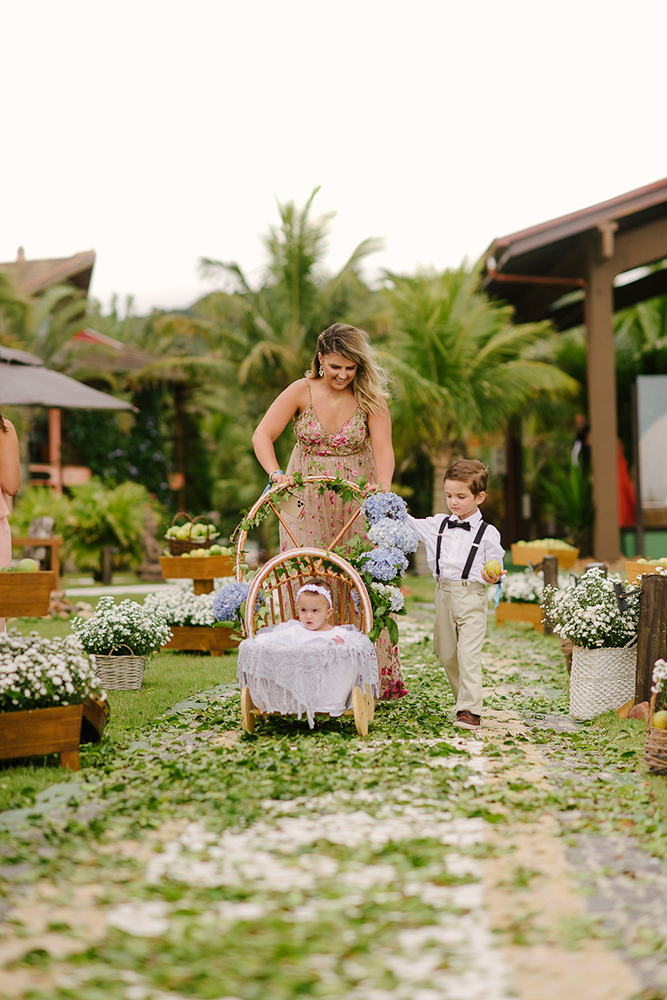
[{"x": 272, "y": 474}]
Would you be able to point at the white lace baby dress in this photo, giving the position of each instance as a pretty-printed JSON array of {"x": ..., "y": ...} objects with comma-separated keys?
[{"x": 293, "y": 670}]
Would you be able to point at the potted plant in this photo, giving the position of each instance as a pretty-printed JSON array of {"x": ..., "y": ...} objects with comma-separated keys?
[
  {"x": 121, "y": 636},
  {"x": 190, "y": 617},
  {"x": 604, "y": 656},
  {"x": 43, "y": 685}
]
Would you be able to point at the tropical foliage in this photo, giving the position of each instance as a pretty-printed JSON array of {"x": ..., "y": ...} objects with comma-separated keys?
[
  {"x": 92, "y": 518},
  {"x": 461, "y": 367}
]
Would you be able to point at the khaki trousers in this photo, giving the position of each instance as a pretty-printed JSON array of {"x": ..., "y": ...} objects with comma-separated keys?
[{"x": 458, "y": 636}]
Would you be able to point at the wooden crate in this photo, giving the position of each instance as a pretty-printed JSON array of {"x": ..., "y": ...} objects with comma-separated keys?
[
  {"x": 202, "y": 570},
  {"x": 25, "y": 595},
  {"x": 520, "y": 611},
  {"x": 523, "y": 554},
  {"x": 95, "y": 717},
  {"x": 42, "y": 731},
  {"x": 202, "y": 637},
  {"x": 633, "y": 569}
]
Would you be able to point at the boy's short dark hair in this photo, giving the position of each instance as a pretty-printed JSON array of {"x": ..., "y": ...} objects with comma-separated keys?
[{"x": 471, "y": 472}]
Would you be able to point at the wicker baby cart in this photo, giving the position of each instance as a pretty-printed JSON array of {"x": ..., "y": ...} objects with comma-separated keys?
[{"x": 278, "y": 581}]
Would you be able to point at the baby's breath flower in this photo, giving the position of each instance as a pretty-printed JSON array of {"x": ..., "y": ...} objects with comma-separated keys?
[{"x": 33, "y": 670}]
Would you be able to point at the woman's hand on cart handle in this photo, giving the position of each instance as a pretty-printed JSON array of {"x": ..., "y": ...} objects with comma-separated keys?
[{"x": 279, "y": 478}]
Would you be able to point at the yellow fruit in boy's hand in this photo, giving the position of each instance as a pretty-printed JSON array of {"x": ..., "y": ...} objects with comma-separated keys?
[
  {"x": 493, "y": 567},
  {"x": 660, "y": 720}
]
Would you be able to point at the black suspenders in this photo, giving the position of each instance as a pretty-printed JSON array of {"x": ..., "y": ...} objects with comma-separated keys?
[
  {"x": 473, "y": 551},
  {"x": 438, "y": 546},
  {"x": 471, "y": 555}
]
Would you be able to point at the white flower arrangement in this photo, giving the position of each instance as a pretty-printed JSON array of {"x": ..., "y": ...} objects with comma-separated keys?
[
  {"x": 392, "y": 595},
  {"x": 588, "y": 614},
  {"x": 180, "y": 606},
  {"x": 659, "y": 675},
  {"x": 44, "y": 673},
  {"x": 527, "y": 587},
  {"x": 114, "y": 627}
]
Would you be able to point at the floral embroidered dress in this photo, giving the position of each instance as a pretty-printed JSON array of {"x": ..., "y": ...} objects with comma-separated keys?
[{"x": 347, "y": 453}]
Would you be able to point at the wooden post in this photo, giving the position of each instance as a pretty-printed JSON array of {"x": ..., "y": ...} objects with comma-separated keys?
[
  {"x": 550, "y": 572},
  {"x": 602, "y": 410},
  {"x": 55, "y": 454},
  {"x": 107, "y": 565},
  {"x": 652, "y": 632}
]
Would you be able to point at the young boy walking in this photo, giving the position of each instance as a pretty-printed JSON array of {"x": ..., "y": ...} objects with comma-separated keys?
[{"x": 458, "y": 546}]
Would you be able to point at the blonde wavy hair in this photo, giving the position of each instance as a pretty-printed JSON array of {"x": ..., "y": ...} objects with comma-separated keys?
[{"x": 371, "y": 380}]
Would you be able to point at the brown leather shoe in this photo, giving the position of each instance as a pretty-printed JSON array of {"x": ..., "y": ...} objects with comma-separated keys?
[{"x": 466, "y": 720}]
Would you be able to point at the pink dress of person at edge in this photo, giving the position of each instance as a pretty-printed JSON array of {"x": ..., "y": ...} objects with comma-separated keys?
[
  {"x": 9, "y": 485},
  {"x": 347, "y": 453}
]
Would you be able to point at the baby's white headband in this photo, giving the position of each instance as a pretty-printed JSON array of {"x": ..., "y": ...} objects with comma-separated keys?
[{"x": 318, "y": 590}]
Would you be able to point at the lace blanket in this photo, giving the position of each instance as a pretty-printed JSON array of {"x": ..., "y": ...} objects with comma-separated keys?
[{"x": 294, "y": 671}]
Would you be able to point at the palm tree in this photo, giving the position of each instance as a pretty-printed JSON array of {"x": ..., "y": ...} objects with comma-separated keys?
[
  {"x": 272, "y": 336},
  {"x": 461, "y": 366}
]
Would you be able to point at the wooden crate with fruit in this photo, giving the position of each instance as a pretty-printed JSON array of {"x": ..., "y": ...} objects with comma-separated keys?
[
  {"x": 534, "y": 552},
  {"x": 25, "y": 590},
  {"x": 192, "y": 533},
  {"x": 202, "y": 566}
]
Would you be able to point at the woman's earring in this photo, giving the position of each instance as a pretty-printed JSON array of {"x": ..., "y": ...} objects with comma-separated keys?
[{"x": 321, "y": 372}]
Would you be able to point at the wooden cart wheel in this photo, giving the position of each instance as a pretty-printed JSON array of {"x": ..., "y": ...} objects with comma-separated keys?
[
  {"x": 360, "y": 711},
  {"x": 247, "y": 717},
  {"x": 370, "y": 704}
]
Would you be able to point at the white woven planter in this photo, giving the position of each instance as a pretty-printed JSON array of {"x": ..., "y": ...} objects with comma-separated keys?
[
  {"x": 601, "y": 679},
  {"x": 120, "y": 673}
]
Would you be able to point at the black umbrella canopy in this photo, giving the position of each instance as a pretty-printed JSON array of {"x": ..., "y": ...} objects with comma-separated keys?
[{"x": 25, "y": 381}]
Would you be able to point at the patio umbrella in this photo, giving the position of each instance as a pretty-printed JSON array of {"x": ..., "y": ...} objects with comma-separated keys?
[{"x": 25, "y": 381}]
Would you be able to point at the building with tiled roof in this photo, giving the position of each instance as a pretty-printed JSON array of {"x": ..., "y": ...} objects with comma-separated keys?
[{"x": 32, "y": 277}]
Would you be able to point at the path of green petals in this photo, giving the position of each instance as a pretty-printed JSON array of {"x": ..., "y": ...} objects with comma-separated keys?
[{"x": 300, "y": 863}]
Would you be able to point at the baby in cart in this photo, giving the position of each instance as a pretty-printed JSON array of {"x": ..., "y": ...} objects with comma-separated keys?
[{"x": 308, "y": 665}]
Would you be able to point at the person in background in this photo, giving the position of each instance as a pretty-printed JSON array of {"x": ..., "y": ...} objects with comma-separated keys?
[
  {"x": 581, "y": 446},
  {"x": 10, "y": 481},
  {"x": 627, "y": 506}
]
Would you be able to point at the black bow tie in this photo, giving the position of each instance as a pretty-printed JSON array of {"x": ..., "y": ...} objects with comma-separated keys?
[{"x": 459, "y": 524}]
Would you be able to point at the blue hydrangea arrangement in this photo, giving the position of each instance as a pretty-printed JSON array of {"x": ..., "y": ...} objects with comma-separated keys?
[
  {"x": 389, "y": 533},
  {"x": 381, "y": 505},
  {"x": 229, "y": 599},
  {"x": 385, "y": 563}
]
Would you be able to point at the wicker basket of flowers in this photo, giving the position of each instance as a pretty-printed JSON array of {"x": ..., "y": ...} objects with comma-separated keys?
[
  {"x": 121, "y": 636},
  {"x": 655, "y": 743}
]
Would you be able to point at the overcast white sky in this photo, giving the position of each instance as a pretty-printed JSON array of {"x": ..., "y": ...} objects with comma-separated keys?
[{"x": 157, "y": 131}]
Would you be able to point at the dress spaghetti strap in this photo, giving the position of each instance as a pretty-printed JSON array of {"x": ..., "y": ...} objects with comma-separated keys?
[{"x": 310, "y": 395}]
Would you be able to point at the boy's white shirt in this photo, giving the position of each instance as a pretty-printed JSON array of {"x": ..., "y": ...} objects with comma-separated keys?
[{"x": 456, "y": 545}]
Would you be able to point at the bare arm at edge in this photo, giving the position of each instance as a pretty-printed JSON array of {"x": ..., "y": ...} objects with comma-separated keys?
[
  {"x": 10, "y": 464},
  {"x": 274, "y": 422},
  {"x": 379, "y": 429}
]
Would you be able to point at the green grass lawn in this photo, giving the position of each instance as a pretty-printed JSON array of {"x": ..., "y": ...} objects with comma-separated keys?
[
  {"x": 169, "y": 677},
  {"x": 421, "y": 590}
]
